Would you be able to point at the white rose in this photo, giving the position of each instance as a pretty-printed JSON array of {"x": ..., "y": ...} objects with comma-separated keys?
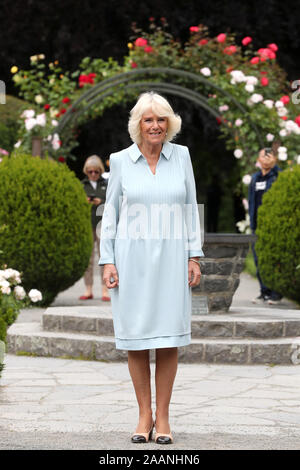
[
  {"x": 246, "y": 179},
  {"x": 35, "y": 295},
  {"x": 55, "y": 142},
  {"x": 28, "y": 113},
  {"x": 41, "y": 119},
  {"x": 17, "y": 144},
  {"x": 237, "y": 76},
  {"x": 251, "y": 80},
  {"x": 33, "y": 58},
  {"x": 270, "y": 137},
  {"x": 283, "y": 133},
  {"x": 223, "y": 108},
  {"x": 19, "y": 292},
  {"x": 249, "y": 87},
  {"x": 279, "y": 104},
  {"x": 282, "y": 149},
  {"x": 238, "y": 153},
  {"x": 5, "y": 289},
  {"x": 30, "y": 123},
  {"x": 205, "y": 71},
  {"x": 298, "y": 159},
  {"x": 282, "y": 111},
  {"x": 39, "y": 99},
  {"x": 53, "y": 112},
  {"x": 249, "y": 102},
  {"x": 291, "y": 125},
  {"x": 282, "y": 156},
  {"x": 269, "y": 103},
  {"x": 239, "y": 122},
  {"x": 54, "y": 122},
  {"x": 256, "y": 98}
]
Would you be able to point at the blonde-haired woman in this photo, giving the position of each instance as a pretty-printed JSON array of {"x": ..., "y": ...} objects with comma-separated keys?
[
  {"x": 95, "y": 186},
  {"x": 150, "y": 271}
]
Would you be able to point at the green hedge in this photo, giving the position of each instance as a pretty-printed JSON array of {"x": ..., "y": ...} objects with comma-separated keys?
[
  {"x": 278, "y": 231},
  {"x": 49, "y": 236}
]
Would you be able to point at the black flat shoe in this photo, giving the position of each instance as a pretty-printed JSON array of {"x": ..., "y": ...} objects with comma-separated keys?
[{"x": 142, "y": 437}]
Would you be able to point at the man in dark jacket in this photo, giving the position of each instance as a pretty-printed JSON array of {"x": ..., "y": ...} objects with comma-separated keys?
[{"x": 261, "y": 181}]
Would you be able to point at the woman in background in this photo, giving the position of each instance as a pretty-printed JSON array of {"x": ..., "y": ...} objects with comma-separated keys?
[{"x": 95, "y": 187}]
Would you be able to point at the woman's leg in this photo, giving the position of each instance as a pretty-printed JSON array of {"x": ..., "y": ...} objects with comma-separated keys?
[
  {"x": 139, "y": 368},
  {"x": 89, "y": 273},
  {"x": 165, "y": 372}
]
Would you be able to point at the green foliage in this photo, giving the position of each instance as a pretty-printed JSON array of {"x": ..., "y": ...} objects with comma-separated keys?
[
  {"x": 9, "y": 115},
  {"x": 49, "y": 237},
  {"x": 278, "y": 231},
  {"x": 8, "y": 313}
]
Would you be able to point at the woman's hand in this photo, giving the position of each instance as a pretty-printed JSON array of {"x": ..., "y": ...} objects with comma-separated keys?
[
  {"x": 108, "y": 272},
  {"x": 194, "y": 274},
  {"x": 96, "y": 201}
]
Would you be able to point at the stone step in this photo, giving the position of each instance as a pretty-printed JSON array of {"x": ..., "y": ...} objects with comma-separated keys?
[
  {"x": 247, "y": 323},
  {"x": 31, "y": 338}
]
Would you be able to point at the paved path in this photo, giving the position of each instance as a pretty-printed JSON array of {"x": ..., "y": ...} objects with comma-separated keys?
[{"x": 48, "y": 403}]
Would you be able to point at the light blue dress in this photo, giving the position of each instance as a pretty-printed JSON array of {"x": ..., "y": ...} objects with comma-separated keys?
[{"x": 150, "y": 227}]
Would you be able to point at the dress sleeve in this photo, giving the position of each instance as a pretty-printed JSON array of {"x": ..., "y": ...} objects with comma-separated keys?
[
  {"x": 110, "y": 216},
  {"x": 192, "y": 220}
]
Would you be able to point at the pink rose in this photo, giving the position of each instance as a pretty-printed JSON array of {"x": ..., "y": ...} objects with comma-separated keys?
[
  {"x": 202, "y": 42},
  {"x": 254, "y": 60},
  {"x": 141, "y": 42},
  {"x": 148, "y": 49},
  {"x": 246, "y": 40},
  {"x": 194, "y": 29},
  {"x": 297, "y": 120},
  {"x": 264, "y": 81},
  {"x": 273, "y": 47},
  {"x": 221, "y": 37},
  {"x": 285, "y": 99},
  {"x": 229, "y": 50}
]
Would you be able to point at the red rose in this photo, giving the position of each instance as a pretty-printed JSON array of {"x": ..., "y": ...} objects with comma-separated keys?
[
  {"x": 141, "y": 42},
  {"x": 229, "y": 50},
  {"x": 148, "y": 49},
  {"x": 194, "y": 29},
  {"x": 229, "y": 69},
  {"x": 46, "y": 106},
  {"x": 297, "y": 120},
  {"x": 284, "y": 118},
  {"x": 254, "y": 60},
  {"x": 61, "y": 159},
  {"x": 264, "y": 81},
  {"x": 62, "y": 111},
  {"x": 57, "y": 115},
  {"x": 285, "y": 99},
  {"x": 218, "y": 120},
  {"x": 273, "y": 47},
  {"x": 66, "y": 100},
  {"x": 221, "y": 37},
  {"x": 133, "y": 65},
  {"x": 202, "y": 42},
  {"x": 151, "y": 19},
  {"x": 92, "y": 75},
  {"x": 246, "y": 40}
]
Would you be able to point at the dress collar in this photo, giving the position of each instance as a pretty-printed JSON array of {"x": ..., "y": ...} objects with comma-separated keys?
[{"x": 135, "y": 152}]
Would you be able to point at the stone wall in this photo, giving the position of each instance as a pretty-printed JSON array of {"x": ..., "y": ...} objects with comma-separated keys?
[{"x": 224, "y": 260}]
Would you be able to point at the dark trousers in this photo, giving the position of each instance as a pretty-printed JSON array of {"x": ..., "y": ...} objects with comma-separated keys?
[{"x": 264, "y": 290}]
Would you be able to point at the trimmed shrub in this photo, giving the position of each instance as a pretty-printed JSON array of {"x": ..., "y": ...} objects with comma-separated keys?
[
  {"x": 49, "y": 237},
  {"x": 278, "y": 231}
]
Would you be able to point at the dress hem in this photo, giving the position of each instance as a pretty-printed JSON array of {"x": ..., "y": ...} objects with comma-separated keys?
[{"x": 153, "y": 343}]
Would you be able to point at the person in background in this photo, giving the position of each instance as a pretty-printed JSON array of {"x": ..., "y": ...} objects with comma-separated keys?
[
  {"x": 261, "y": 181},
  {"x": 95, "y": 184}
]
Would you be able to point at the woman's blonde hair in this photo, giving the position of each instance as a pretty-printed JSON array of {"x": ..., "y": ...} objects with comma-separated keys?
[
  {"x": 95, "y": 162},
  {"x": 159, "y": 106}
]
